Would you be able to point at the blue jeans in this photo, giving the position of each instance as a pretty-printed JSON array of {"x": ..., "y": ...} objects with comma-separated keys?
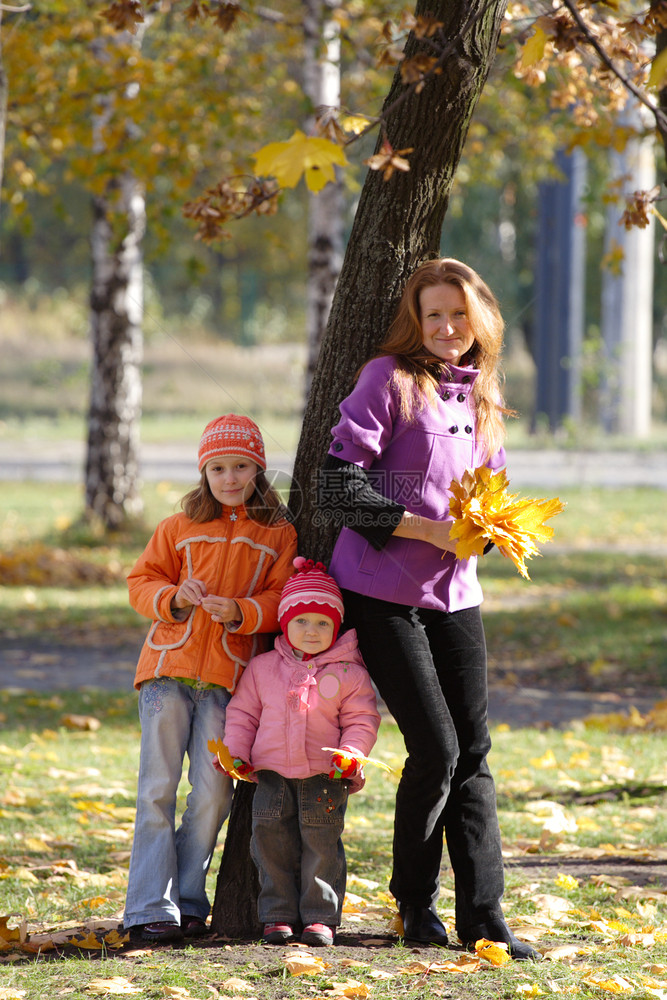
[
  {"x": 430, "y": 668},
  {"x": 296, "y": 845},
  {"x": 168, "y": 867}
]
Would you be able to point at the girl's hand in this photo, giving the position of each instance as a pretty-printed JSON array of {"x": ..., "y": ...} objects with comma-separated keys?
[
  {"x": 221, "y": 609},
  {"x": 343, "y": 765},
  {"x": 190, "y": 592}
]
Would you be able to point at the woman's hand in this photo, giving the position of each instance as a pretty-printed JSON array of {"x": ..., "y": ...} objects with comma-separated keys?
[
  {"x": 221, "y": 609},
  {"x": 190, "y": 592},
  {"x": 424, "y": 529}
]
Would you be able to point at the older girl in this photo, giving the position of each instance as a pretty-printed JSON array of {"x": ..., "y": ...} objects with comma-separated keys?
[{"x": 211, "y": 579}]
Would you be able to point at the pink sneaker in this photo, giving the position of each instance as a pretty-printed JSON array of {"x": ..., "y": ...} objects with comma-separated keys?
[
  {"x": 277, "y": 933},
  {"x": 318, "y": 934}
]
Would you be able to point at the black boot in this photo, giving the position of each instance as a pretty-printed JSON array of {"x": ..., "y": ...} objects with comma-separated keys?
[
  {"x": 497, "y": 930},
  {"x": 422, "y": 924}
]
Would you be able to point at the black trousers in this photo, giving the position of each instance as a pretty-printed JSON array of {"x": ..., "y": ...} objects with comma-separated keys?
[{"x": 430, "y": 669}]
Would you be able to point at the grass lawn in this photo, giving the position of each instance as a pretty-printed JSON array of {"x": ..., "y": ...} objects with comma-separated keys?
[{"x": 582, "y": 811}]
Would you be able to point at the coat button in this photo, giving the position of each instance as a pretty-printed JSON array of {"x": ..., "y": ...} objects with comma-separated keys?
[
  {"x": 465, "y": 379},
  {"x": 454, "y": 429},
  {"x": 338, "y": 446},
  {"x": 461, "y": 397},
  {"x": 446, "y": 395},
  {"x": 468, "y": 429}
]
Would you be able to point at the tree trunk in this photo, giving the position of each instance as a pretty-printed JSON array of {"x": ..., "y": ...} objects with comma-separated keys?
[
  {"x": 3, "y": 105},
  {"x": 111, "y": 476},
  {"x": 235, "y": 906},
  {"x": 325, "y": 210},
  {"x": 397, "y": 224}
]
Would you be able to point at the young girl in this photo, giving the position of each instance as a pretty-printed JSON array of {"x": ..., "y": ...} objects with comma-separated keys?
[
  {"x": 421, "y": 413},
  {"x": 311, "y": 692},
  {"x": 210, "y": 578}
]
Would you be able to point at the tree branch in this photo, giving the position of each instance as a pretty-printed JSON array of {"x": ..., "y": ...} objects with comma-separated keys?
[{"x": 660, "y": 117}]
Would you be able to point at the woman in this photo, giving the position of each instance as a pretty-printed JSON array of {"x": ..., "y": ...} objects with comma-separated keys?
[{"x": 424, "y": 410}]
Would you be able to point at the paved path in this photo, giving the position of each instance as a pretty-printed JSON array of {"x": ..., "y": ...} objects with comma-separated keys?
[
  {"x": 552, "y": 469},
  {"x": 35, "y": 666}
]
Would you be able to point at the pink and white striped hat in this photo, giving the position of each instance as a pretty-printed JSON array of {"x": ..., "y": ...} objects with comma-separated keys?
[{"x": 310, "y": 589}]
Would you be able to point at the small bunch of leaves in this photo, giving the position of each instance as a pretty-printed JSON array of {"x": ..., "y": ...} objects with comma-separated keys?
[
  {"x": 594, "y": 57},
  {"x": 223, "y": 14},
  {"x": 231, "y": 198},
  {"x": 484, "y": 511},
  {"x": 638, "y": 208},
  {"x": 124, "y": 15}
]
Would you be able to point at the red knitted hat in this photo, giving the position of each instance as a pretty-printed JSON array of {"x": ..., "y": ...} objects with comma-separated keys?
[
  {"x": 232, "y": 434},
  {"x": 310, "y": 589}
]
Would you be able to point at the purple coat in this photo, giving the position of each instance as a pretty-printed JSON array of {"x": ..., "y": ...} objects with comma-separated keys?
[{"x": 412, "y": 463}]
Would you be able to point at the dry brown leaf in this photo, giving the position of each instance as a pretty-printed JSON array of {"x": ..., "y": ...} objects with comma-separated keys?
[
  {"x": 561, "y": 953},
  {"x": 177, "y": 992},
  {"x": 381, "y": 974},
  {"x": 551, "y": 905},
  {"x": 85, "y": 723},
  {"x": 13, "y": 934},
  {"x": 237, "y": 985}
]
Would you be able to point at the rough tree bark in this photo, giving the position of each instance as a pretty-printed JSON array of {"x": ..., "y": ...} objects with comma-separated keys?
[{"x": 396, "y": 225}]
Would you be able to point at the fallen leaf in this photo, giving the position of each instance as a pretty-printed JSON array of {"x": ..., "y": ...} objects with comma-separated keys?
[
  {"x": 614, "y": 984},
  {"x": 305, "y": 965},
  {"x": 117, "y": 985},
  {"x": 350, "y": 988},
  {"x": 87, "y": 723},
  {"x": 494, "y": 952},
  {"x": 237, "y": 985}
]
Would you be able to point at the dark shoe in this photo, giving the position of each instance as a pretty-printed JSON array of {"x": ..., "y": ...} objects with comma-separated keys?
[
  {"x": 193, "y": 926},
  {"x": 162, "y": 931},
  {"x": 499, "y": 931},
  {"x": 319, "y": 935},
  {"x": 422, "y": 924},
  {"x": 278, "y": 933}
]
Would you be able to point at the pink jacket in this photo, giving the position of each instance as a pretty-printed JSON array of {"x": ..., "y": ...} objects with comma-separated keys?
[{"x": 284, "y": 710}]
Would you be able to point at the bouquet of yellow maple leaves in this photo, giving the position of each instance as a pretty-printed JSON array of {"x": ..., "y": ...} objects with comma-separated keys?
[{"x": 484, "y": 511}]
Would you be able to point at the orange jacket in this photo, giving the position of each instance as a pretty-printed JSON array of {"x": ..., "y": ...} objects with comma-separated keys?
[{"x": 241, "y": 559}]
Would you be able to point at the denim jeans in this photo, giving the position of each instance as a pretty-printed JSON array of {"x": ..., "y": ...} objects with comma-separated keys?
[
  {"x": 296, "y": 845},
  {"x": 430, "y": 668},
  {"x": 168, "y": 867}
]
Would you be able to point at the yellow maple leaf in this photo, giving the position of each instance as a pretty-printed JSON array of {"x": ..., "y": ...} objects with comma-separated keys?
[
  {"x": 658, "y": 72},
  {"x": 494, "y": 952},
  {"x": 484, "y": 510},
  {"x": 226, "y": 760},
  {"x": 362, "y": 760},
  {"x": 310, "y": 156},
  {"x": 614, "y": 984},
  {"x": 533, "y": 50}
]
